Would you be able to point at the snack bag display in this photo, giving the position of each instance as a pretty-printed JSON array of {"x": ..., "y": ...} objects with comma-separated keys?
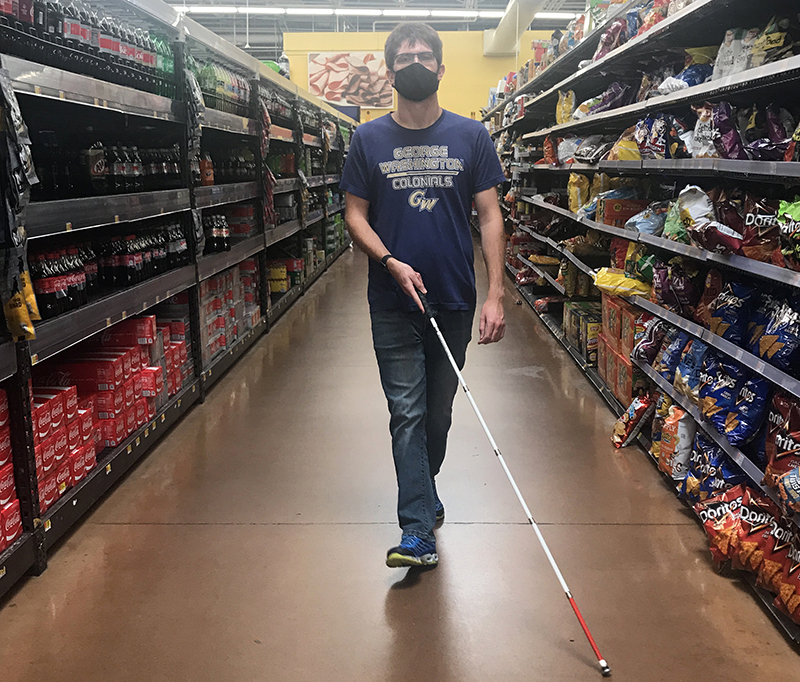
[
  {"x": 728, "y": 53},
  {"x": 783, "y": 438},
  {"x": 663, "y": 403},
  {"x": 780, "y": 536},
  {"x": 720, "y": 516},
  {"x": 578, "y": 187},
  {"x": 705, "y": 132},
  {"x": 760, "y": 317},
  {"x": 788, "y": 599},
  {"x": 749, "y": 411},
  {"x": 780, "y": 343},
  {"x": 699, "y": 218},
  {"x": 789, "y": 219},
  {"x": 630, "y": 424},
  {"x": 651, "y": 220},
  {"x": 697, "y": 469},
  {"x": 719, "y": 396},
  {"x": 714, "y": 285},
  {"x": 687, "y": 373},
  {"x": 565, "y": 106},
  {"x": 674, "y": 228},
  {"x": 615, "y": 282},
  {"x": 677, "y": 437},
  {"x": 648, "y": 346},
  {"x": 762, "y": 232},
  {"x": 789, "y": 492}
]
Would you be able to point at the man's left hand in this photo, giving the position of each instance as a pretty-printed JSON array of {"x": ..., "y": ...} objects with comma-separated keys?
[{"x": 493, "y": 321}]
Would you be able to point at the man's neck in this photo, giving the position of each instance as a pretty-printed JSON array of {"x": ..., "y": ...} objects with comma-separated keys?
[{"x": 417, "y": 115}]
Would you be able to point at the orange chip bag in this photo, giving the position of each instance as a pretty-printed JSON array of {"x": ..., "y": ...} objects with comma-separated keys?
[
  {"x": 788, "y": 599},
  {"x": 720, "y": 518},
  {"x": 780, "y": 536}
]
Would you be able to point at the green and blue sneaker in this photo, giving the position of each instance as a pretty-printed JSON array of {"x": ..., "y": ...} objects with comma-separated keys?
[
  {"x": 412, "y": 551},
  {"x": 439, "y": 507}
]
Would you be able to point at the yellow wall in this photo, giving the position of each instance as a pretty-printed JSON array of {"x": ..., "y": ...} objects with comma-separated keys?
[{"x": 468, "y": 74}]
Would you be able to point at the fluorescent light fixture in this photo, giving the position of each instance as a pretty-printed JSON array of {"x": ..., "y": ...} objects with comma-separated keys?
[
  {"x": 211, "y": 9},
  {"x": 358, "y": 12},
  {"x": 491, "y": 14},
  {"x": 456, "y": 13},
  {"x": 406, "y": 12},
  {"x": 262, "y": 10},
  {"x": 310, "y": 11},
  {"x": 555, "y": 15}
]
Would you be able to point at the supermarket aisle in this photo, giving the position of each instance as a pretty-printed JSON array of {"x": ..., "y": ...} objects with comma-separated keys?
[{"x": 249, "y": 544}]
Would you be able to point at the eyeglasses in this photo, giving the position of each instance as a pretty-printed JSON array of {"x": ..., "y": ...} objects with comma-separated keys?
[{"x": 425, "y": 58}]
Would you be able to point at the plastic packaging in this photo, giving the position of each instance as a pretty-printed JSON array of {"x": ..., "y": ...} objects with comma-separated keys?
[
  {"x": 705, "y": 133},
  {"x": 615, "y": 282},
  {"x": 578, "y": 187}
]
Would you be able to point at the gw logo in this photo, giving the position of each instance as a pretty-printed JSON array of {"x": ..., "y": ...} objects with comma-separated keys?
[{"x": 417, "y": 200}]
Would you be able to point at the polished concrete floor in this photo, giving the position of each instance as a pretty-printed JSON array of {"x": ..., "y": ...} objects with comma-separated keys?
[{"x": 249, "y": 545}]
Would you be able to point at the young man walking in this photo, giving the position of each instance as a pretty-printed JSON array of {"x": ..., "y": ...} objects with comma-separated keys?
[{"x": 411, "y": 178}]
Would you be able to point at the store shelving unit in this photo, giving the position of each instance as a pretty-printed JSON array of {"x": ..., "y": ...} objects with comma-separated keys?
[
  {"x": 47, "y": 88},
  {"x": 773, "y": 82}
]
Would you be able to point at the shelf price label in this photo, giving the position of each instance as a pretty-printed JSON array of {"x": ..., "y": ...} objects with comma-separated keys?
[
  {"x": 147, "y": 432},
  {"x": 138, "y": 441},
  {"x": 34, "y": 358},
  {"x": 108, "y": 469},
  {"x": 129, "y": 449},
  {"x": 2, "y": 572},
  {"x": 47, "y": 525},
  {"x": 68, "y": 227}
]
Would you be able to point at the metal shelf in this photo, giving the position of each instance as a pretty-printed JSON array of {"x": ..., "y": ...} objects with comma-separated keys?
[
  {"x": 61, "y": 332},
  {"x": 312, "y": 140},
  {"x": 753, "y": 363},
  {"x": 566, "y": 64},
  {"x": 314, "y": 276},
  {"x": 546, "y": 275},
  {"x": 280, "y": 133},
  {"x": 223, "y": 363},
  {"x": 279, "y": 308},
  {"x": 231, "y": 123},
  {"x": 514, "y": 271},
  {"x": 750, "y": 80},
  {"x": 30, "y": 78},
  {"x": 332, "y": 179},
  {"x": 16, "y": 561},
  {"x": 46, "y": 218},
  {"x": 283, "y": 231},
  {"x": 286, "y": 185},
  {"x": 583, "y": 267},
  {"x": 112, "y": 464},
  {"x": 210, "y": 265},
  {"x": 316, "y": 180},
  {"x": 313, "y": 217},
  {"x": 219, "y": 195},
  {"x": 8, "y": 359}
]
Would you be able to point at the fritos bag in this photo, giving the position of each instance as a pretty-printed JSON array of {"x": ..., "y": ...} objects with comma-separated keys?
[{"x": 720, "y": 517}]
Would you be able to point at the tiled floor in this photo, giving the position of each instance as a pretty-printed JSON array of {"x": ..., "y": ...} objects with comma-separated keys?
[{"x": 249, "y": 544}]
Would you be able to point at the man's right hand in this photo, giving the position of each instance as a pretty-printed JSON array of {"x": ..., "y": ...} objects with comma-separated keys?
[{"x": 408, "y": 279}]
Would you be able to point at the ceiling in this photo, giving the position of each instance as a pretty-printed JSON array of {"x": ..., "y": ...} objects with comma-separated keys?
[{"x": 264, "y": 32}]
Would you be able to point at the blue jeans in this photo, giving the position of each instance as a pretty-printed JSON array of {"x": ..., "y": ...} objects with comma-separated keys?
[{"x": 420, "y": 385}]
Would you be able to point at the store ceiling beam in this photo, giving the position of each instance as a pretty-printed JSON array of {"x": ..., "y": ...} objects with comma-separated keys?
[{"x": 504, "y": 40}]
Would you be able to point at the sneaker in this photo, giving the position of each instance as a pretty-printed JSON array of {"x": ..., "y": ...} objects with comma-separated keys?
[{"x": 412, "y": 552}]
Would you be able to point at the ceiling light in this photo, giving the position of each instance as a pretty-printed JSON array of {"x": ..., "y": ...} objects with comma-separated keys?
[
  {"x": 406, "y": 12},
  {"x": 358, "y": 12},
  {"x": 262, "y": 10},
  {"x": 311, "y": 11},
  {"x": 466, "y": 14},
  {"x": 491, "y": 14},
  {"x": 555, "y": 15},
  {"x": 210, "y": 9}
]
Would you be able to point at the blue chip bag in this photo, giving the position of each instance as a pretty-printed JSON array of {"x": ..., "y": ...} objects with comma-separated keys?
[
  {"x": 699, "y": 459},
  {"x": 687, "y": 374},
  {"x": 789, "y": 492},
  {"x": 730, "y": 311},
  {"x": 651, "y": 220},
  {"x": 759, "y": 319},
  {"x": 667, "y": 360},
  {"x": 780, "y": 343},
  {"x": 749, "y": 411},
  {"x": 720, "y": 396},
  {"x": 756, "y": 449},
  {"x": 720, "y": 474}
]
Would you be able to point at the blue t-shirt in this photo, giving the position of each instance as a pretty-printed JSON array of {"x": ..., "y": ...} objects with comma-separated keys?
[{"x": 420, "y": 184}]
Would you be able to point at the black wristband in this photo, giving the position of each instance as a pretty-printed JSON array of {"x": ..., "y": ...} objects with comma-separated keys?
[{"x": 385, "y": 260}]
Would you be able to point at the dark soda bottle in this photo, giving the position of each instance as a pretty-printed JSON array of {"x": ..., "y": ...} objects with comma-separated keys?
[
  {"x": 55, "y": 22},
  {"x": 96, "y": 167},
  {"x": 117, "y": 169}
]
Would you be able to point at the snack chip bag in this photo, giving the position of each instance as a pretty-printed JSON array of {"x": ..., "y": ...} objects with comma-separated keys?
[
  {"x": 788, "y": 599},
  {"x": 674, "y": 229},
  {"x": 698, "y": 217},
  {"x": 789, "y": 220},
  {"x": 789, "y": 491},
  {"x": 714, "y": 285},
  {"x": 780, "y": 536},
  {"x": 756, "y": 517},
  {"x": 565, "y": 106},
  {"x": 783, "y": 438},
  {"x": 663, "y": 403},
  {"x": 728, "y": 141},
  {"x": 677, "y": 437},
  {"x": 780, "y": 343},
  {"x": 719, "y": 474},
  {"x": 630, "y": 424},
  {"x": 667, "y": 360},
  {"x": 729, "y": 51},
  {"x": 720, "y": 516},
  {"x": 648, "y": 346},
  {"x": 730, "y": 311},
  {"x": 699, "y": 462},
  {"x": 762, "y": 233},
  {"x": 705, "y": 133},
  {"x": 625, "y": 148},
  {"x": 578, "y": 187},
  {"x": 719, "y": 396},
  {"x": 749, "y": 411},
  {"x": 687, "y": 373},
  {"x": 651, "y": 220}
]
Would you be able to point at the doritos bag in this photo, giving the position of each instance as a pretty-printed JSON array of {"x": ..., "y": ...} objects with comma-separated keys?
[
  {"x": 687, "y": 373},
  {"x": 788, "y": 599},
  {"x": 719, "y": 474},
  {"x": 756, "y": 517},
  {"x": 766, "y": 308},
  {"x": 749, "y": 411},
  {"x": 776, "y": 554},
  {"x": 762, "y": 234},
  {"x": 720, "y": 516},
  {"x": 730, "y": 311},
  {"x": 677, "y": 437},
  {"x": 699, "y": 461},
  {"x": 783, "y": 438}
]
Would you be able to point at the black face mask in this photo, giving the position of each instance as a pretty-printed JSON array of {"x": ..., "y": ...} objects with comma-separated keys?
[{"x": 415, "y": 82}]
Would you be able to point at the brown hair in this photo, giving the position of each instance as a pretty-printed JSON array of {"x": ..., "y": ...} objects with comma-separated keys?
[{"x": 413, "y": 32}]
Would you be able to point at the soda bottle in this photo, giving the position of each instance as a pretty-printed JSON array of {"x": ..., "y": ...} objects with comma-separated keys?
[
  {"x": 40, "y": 18},
  {"x": 138, "y": 178},
  {"x": 90, "y": 269},
  {"x": 55, "y": 22},
  {"x": 127, "y": 161},
  {"x": 72, "y": 26},
  {"x": 94, "y": 31},
  {"x": 97, "y": 168},
  {"x": 206, "y": 170}
]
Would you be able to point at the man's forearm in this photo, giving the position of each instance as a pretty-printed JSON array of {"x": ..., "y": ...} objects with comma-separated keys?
[
  {"x": 362, "y": 234},
  {"x": 493, "y": 242}
]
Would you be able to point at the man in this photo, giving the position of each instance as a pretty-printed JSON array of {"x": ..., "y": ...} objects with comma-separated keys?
[{"x": 410, "y": 179}]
